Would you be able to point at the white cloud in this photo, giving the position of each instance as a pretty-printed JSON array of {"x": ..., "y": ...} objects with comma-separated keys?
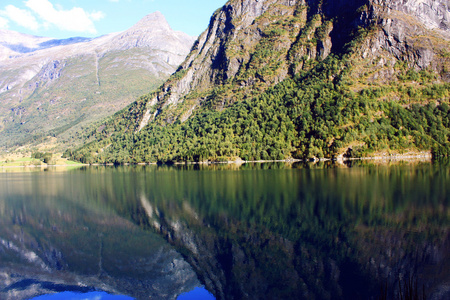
[
  {"x": 3, "y": 23},
  {"x": 20, "y": 16},
  {"x": 97, "y": 15},
  {"x": 75, "y": 19}
]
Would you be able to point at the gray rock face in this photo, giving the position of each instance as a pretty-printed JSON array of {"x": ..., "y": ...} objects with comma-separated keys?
[
  {"x": 402, "y": 26},
  {"x": 433, "y": 14},
  {"x": 50, "y": 72},
  {"x": 413, "y": 31},
  {"x": 395, "y": 38}
]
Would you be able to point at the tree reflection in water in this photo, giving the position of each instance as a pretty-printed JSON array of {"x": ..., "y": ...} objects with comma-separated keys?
[
  {"x": 302, "y": 232},
  {"x": 263, "y": 231}
]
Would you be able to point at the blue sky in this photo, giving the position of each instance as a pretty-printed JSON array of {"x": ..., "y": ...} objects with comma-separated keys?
[{"x": 91, "y": 18}]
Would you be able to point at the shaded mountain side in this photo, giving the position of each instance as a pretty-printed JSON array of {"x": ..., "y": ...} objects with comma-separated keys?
[
  {"x": 279, "y": 79},
  {"x": 56, "y": 89}
]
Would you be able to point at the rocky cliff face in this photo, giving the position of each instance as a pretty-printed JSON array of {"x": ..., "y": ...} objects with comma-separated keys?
[
  {"x": 415, "y": 32},
  {"x": 433, "y": 14},
  {"x": 65, "y": 83},
  {"x": 250, "y": 45}
]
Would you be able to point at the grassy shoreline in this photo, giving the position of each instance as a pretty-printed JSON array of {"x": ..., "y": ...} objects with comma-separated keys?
[{"x": 15, "y": 161}]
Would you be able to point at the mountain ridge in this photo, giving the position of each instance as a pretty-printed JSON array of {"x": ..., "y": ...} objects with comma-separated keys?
[{"x": 20, "y": 43}]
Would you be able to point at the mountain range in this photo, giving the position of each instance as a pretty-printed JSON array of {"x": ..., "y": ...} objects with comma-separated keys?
[
  {"x": 283, "y": 79},
  {"x": 55, "y": 88}
]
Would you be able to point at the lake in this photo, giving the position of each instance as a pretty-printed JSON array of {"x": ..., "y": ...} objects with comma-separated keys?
[{"x": 251, "y": 231}]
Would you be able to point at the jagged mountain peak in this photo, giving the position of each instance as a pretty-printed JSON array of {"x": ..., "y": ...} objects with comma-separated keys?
[
  {"x": 153, "y": 31},
  {"x": 153, "y": 21}
]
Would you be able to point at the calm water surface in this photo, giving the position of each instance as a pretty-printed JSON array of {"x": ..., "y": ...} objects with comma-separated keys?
[{"x": 266, "y": 231}]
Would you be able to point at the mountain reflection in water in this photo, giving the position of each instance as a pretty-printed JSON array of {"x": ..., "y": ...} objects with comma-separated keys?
[
  {"x": 269, "y": 231},
  {"x": 80, "y": 296},
  {"x": 59, "y": 232}
]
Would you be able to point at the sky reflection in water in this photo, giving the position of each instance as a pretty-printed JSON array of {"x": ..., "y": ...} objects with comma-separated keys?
[
  {"x": 199, "y": 293},
  {"x": 82, "y": 296}
]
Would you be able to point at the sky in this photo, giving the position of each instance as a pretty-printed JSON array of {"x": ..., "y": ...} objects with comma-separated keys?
[{"x": 92, "y": 18}]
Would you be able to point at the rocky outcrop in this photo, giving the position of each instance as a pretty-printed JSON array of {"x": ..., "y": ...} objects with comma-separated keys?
[
  {"x": 433, "y": 14},
  {"x": 409, "y": 28},
  {"x": 49, "y": 73},
  {"x": 411, "y": 32}
]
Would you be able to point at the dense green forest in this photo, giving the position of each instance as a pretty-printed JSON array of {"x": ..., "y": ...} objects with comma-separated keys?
[
  {"x": 302, "y": 117},
  {"x": 327, "y": 108}
]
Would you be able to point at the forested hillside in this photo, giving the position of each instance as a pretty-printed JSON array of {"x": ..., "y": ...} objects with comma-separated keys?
[{"x": 288, "y": 79}]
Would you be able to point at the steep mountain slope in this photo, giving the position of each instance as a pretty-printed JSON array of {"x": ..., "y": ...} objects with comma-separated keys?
[
  {"x": 56, "y": 87},
  {"x": 274, "y": 79}
]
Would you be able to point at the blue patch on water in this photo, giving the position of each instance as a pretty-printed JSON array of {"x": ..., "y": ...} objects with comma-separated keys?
[
  {"x": 82, "y": 296},
  {"x": 199, "y": 293}
]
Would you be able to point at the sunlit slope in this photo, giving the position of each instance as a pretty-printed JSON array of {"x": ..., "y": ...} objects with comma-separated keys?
[{"x": 59, "y": 91}]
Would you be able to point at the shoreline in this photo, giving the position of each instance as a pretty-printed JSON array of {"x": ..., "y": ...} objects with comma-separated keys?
[
  {"x": 422, "y": 156},
  {"x": 46, "y": 166}
]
